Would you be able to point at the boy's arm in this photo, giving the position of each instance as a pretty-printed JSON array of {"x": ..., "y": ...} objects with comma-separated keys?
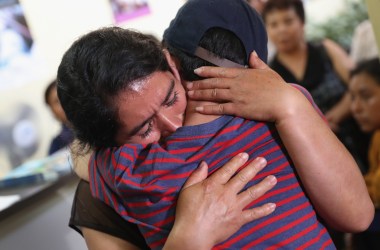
[{"x": 328, "y": 172}]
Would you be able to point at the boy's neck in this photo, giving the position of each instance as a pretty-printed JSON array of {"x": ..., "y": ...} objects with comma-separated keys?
[{"x": 192, "y": 117}]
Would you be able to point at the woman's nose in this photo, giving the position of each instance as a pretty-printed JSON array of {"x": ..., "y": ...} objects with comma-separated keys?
[
  {"x": 355, "y": 106},
  {"x": 168, "y": 123}
]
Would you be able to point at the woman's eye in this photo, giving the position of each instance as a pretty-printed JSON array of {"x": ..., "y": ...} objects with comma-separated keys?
[
  {"x": 148, "y": 130},
  {"x": 172, "y": 101}
]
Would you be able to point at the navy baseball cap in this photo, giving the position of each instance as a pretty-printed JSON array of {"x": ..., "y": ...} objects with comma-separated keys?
[{"x": 195, "y": 17}]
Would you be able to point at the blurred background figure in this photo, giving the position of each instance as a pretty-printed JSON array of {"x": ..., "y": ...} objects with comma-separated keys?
[
  {"x": 65, "y": 137},
  {"x": 321, "y": 67},
  {"x": 19, "y": 136},
  {"x": 364, "y": 88},
  {"x": 15, "y": 38},
  {"x": 363, "y": 46}
]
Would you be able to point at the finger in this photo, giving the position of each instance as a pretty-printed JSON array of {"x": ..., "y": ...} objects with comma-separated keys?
[
  {"x": 224, "y": 174},
  {"x": 257, "y": 190},
  {"x": 197, "y": 175},
  {"x": 255, "y": 62},
  {"x": 208, "y": 71},
  {"x": 218, "y": 95},
  {"x": 246, "y": 174},
  {"x": 219, "y": 109},
  {"x": 209, "y": 83},
  {"x": 257, "y": 212}
]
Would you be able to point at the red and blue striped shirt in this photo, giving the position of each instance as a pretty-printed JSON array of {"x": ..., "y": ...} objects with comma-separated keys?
[{"x": 142, "y": 183}]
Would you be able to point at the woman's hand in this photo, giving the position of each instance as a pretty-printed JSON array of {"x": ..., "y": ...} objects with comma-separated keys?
[
  {"x": 209, "y": 210},
  {"x": 258, "y": 93},
  {"x": 323, "y": 164},
  {"x": 339, "y": 113}
]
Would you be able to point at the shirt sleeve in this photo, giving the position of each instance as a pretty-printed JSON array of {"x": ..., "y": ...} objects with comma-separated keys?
[
  {"x": 310, "y": 98},
  {"x": 109, "y": 169}
]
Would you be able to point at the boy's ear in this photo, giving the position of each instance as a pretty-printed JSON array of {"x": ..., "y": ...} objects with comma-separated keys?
[{"x": 172, "y": 64}]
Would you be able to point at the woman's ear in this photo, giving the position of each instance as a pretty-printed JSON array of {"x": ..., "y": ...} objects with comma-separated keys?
[{"x": 172, "y": 64}]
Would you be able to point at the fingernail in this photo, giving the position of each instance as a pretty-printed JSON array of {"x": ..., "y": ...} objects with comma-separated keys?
[
  {"x": 203, "y": 164},
  {"x": 190, "y": 93},
  {"x": 261, "y": 161},
  {"x": 255, "y": 53},
  {"x": 199, "y": 109},
  {"x": 243, "y": 155},
  {"x": 272, "y": 179},
  {"x": 189, "y": 85},
  {"x": 197, "y": 71},
  {"x": 271, "y": 206}
]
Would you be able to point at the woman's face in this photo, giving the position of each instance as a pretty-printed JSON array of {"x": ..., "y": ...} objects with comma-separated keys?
[
  {"x": 55, "y": 106},
  {"x": 285, "y": 29},
  {"x": 150, "y": 108},
  {"x": 365, "y": 101}
]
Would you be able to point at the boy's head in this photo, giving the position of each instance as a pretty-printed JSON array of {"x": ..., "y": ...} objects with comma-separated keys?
[
  {"x": 364, "y": 88},
  {"x": 215, "y": 32}
]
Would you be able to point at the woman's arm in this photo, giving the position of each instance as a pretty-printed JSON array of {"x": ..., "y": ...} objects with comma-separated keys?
[
  {"x": 328, "y": 172},
  {"x": 342, "y": 65},
  {"x": 340, "y": 59}
]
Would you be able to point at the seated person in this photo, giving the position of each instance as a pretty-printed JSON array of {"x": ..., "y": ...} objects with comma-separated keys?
[{"x": 65, "y": 137}]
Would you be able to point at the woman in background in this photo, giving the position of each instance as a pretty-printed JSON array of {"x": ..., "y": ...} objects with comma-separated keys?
[
  {"x": 65, "y": 136},
  {"x": 322, "y": 68},
  {"x": 364, "y": 89}
]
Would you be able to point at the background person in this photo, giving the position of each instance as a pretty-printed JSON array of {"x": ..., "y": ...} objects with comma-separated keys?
[
  {"x": 364, "y": 88},
  {"x": 363, "y": 46},
  {"x": 65, "y": 136},
  {"x": 322, "y": 68}
]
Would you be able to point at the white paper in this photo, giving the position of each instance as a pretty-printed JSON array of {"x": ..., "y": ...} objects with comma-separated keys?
[{"x": 6, "y": 201}]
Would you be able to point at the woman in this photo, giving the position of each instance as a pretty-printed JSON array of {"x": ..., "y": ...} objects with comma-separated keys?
[
  {"x": 322, "y": 68},
  {"x": 364, "y": 88}
]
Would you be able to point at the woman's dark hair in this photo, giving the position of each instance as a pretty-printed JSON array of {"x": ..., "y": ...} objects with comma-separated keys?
[
  {"x": 370, "y": 67},
  {"x": 284, "y": 5},
  {"x": 93, "y": 71},
  {"x": 219, "y": 41}
]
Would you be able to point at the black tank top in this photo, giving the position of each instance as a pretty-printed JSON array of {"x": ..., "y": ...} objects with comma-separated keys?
[{"x": 320, "y": 79}]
